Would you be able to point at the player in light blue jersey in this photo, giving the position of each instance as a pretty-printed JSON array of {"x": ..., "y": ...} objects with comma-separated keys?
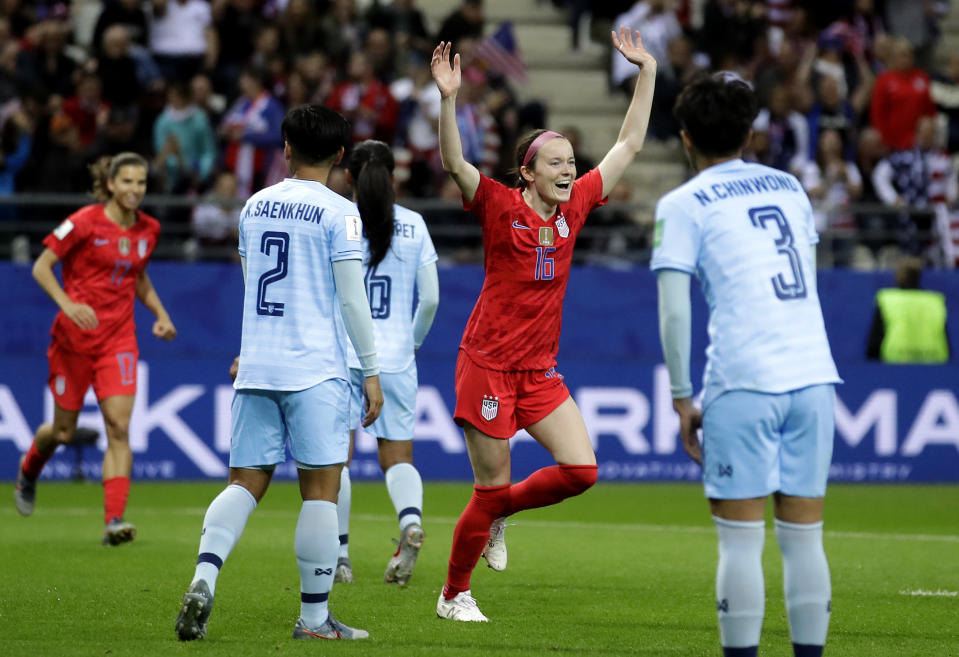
[
  {"x": 400, "y": 258},
  {"x": 301, "y": 252},
  {"x": 746, "y": 231}
]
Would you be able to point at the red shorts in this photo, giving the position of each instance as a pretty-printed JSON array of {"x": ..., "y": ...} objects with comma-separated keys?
[
  {"x": 71, "y": 374},
  {"x": 501, "y": 403}
]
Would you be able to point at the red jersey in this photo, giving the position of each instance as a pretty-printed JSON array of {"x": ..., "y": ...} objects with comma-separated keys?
[
  {"x": 101, "y": 264},
  {"x": 516, "y": 321}
]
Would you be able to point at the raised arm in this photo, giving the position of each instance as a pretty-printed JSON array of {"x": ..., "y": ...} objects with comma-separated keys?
[
  {"x": 633, "y": 132},
  {"x": 448, "y": 80}
]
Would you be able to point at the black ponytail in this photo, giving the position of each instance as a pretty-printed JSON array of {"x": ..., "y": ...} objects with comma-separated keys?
[{"x": 371, "y": 167}]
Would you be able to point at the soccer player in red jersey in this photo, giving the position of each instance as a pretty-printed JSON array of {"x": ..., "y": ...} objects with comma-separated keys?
[
  {"x": 505, "y": 373},
  {"x": 104, "y": 248}
]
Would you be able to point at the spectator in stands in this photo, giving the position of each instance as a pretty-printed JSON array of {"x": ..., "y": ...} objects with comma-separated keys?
[
  {"x": 419, "y": 111},
  {"x": 216, "y": 220},
  {"x": 118, "y": 134},
  {"x": 382, "y": 55},
  {"x": 252, "y": 131},
  {"x": 15, "y": 144},
  {"x": 129, "y": 14},
  {"x": 9, "y": 80},
  {"x": 464, "y": 22},
  {"x": 407, "y": 24},
  {"x": 87, "y": 109},
  {"x": 915, "y": 180},
  {"x": 731, "y": 30},
  {"x": 781, "y": 134},
  {"x": 300, "y": 27},
  {"x": 831, "y": 111},
  {"x": 203, "y": 96},
  {"x": 117, "y": 69},
  {"x": 832, "y": 183},
  {"x": 184, "y": 143},
  {"x": 900, "y": 98},
  {"x": 182, "y": 39},
  {"x": 909, "y": 324},
  {"x": 656, "y": 21},
  {"x": 945, "y": 94},
  {"x": 365, "y": 102},
  {"x": 917, "y": 23},
  {"x": 43, "y": 59},
  {"x": 670, "y": 81},
  {"x": 343, "y": 30},
  {"x": 235, "y": 23}
]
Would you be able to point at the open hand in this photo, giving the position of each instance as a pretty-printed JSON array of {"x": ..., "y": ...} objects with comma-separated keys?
[
  {"x": 448, "y": 77},
  {"x": 633, "y": 51},
  {"x": 82, "y": 315}
]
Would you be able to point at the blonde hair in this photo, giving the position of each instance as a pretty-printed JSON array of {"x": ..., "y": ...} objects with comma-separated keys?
[{"x": 107, "y": 167}]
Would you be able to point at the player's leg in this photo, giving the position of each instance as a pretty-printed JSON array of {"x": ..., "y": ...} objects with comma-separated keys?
[
  {"x": 117, "y": 468},
  {"x": 317, "y": 420},
  {"x": 562, "y": 432},
  {"x": 115, "y": 383},
  {"x": 69, "y": 378},
  {"x": 490, "y": 459},
  {"x": 45, "y": 442},
  {"x": 258, "y": 445},
  {"x": 394, "y": 429},
  {"x": 807, "y": 453},
  {"x": 405, "y": 487},
  {"x": 740, "y": 469},
  {"x": 344, "y": 502}
]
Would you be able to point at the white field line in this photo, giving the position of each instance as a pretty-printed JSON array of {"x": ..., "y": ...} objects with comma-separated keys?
[
  {"x": 551, "y": 524},
  {"x": 938, "y": 593}
]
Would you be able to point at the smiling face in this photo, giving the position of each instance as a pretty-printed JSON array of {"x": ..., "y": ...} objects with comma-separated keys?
[
  {"x": 552, "y": 172},
  {"x": 128, "y": 187}
]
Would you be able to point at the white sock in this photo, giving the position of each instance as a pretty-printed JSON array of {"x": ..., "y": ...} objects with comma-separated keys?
[
  {"x": 405, "y": 487},
  {"x": 222, "y": 527},
  {"x": 315, "y": 546},
  {"x": 740, "y": 590},
  {"x": 343, "y": 503},
  {"x": 805, "y": 581}
]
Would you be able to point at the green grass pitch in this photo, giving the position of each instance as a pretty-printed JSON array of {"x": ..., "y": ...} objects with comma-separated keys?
[{"x": 621, "y": 570}]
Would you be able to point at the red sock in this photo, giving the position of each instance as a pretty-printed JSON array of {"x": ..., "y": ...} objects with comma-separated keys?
[
  {"x": 115, "y": 493},
  {"x": 471, "y": 534},
  {"x": 34, "y": 461},
  {"x": 551, "y": 485}
]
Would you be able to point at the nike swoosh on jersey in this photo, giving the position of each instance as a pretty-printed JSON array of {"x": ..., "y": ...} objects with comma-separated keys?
[
  {"x": 99, "y": 242},
  {"x": 517, "y": 224}
]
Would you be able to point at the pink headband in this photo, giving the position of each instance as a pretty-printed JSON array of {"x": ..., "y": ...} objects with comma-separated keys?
[{"x": 538, "y": 144}]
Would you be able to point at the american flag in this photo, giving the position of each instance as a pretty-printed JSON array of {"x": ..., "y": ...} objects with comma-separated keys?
[{"x": 501, "y": 54}]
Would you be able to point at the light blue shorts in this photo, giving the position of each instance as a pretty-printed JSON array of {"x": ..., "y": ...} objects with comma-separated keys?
[
  {"x": 315, "y": 420},
  {"x": 399, "y": 404},
  {"x": 755, "y": 443}
]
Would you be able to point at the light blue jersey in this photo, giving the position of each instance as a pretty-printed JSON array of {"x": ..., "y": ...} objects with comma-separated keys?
[
  {"x": 747, "y": 231},
  {"x": 293, "y": 334},
  {"x": 390, "y": 290}
]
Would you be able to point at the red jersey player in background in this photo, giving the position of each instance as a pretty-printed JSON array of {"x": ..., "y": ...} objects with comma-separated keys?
[
  {"x": 105, "y": 248},
  {"x": 505, "y": 373}
]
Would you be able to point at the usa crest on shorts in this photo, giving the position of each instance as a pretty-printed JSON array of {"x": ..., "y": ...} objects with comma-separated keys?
[
  {"x": 490, "y": 407},
  {"x": 562, "y": 227}
]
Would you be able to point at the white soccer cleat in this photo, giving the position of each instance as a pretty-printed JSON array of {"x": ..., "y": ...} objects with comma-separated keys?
[
  {"x": 461, "y": 608},
  {"x": 495, "y": 552}
]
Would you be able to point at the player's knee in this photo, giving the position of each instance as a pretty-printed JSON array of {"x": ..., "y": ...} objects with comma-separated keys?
[
  {"x": 579, "y": 478},
  {"x": 62, "y": 433},
  {"x": 118, "y": 430}
]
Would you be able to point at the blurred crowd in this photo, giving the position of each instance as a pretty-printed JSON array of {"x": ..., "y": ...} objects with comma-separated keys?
[{"x": 857, "y": 101}]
